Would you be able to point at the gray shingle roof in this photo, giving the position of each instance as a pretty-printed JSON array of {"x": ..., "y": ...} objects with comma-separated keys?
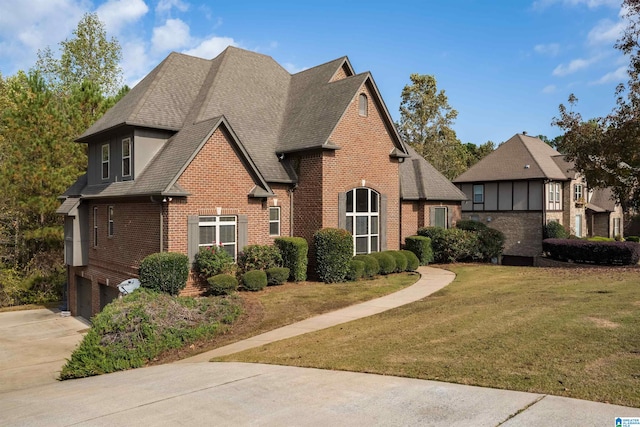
[
  {"x": 268, "y": 111},
  {"x": 602, "y": 200},
  {"x": 419, "y": 180},
  {"x": 521, "y": 157}
]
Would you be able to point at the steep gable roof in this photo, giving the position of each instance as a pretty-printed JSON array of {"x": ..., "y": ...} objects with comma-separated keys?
[
  {"x": 602, "y": 200},
  {"x": 520, "y": 158},
  {"x": 419, "y": 180}
]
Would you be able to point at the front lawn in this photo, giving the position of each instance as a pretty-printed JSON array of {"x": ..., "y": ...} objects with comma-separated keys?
[{"x": 567, "y": 332}]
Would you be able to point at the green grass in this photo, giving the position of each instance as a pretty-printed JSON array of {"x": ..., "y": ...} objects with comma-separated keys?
[{"x": 573, "y": 332}]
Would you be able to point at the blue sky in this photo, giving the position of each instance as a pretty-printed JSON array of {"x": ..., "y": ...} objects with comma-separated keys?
[{"x": 505, "y": 65}]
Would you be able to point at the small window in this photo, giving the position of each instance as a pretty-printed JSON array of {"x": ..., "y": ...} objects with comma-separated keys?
[
  {"x": 478, "y": 193},
  {"x": 616, "y": 227},
  {"x": 577, "y": 194},
  {"x": 274, "y": 221},
  {"x": 105, "y": 161},
  {"x": 555, "y": 201},
  {"x": 95, "y": 226},
  {"x": 110, "y": 222},
  {"x": 363, "y": 104},
  {"x": 440, "y": 219},
  {"x": 126, "y": 157}
]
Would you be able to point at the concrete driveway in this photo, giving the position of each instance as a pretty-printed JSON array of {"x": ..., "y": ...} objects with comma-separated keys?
[{"x": 34, "y": 345}]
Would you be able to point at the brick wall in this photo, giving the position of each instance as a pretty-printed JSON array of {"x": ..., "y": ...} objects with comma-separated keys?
[
  {"x": 523, "y": 230},
  {"x": 417, "y": 214}
]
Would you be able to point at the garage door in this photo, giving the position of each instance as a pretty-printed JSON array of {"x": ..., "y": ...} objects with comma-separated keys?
[
  {"x": 83, "y": 297},
  {"x": 107, "y": 294}
]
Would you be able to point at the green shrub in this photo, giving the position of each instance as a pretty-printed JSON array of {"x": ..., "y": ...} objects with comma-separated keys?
[
  {"x": 421, "y": 247},
  {"x": 470, "y": 225},
  {"x": 633, "y": 239},
  {"x": 584, "y": 251},
  {"x": 386, "y": 261},
  {"x": 211, "y": 261},
  {"x": 130, "y": 332},
  {"x": 254, "y": 280},
  {"x": 259, "y": 257},
  {"x": 277, "y": 275},
  {"x": 600, "y": 239},
  {"x": 491, "y": 243},
  {"x": 222, "y": 284},
  {"x": 555, "y": 230},
  {"x": 294, "y": 251},
  {"x": 356, "y": 270},
  {"x": 165, "y": 272},
  {"x": 412, "y": 260},
  {"x": 334, "y": 250},
  {"x": 371, "y": 266},
  {"x": 454, "y": 244},
  {"x": 400, "y": 259}
]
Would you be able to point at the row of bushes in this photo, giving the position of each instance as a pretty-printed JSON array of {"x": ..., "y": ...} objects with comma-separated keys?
[
  {"x": 592, "y": 252},
  {"x": 469, "y": 241}
]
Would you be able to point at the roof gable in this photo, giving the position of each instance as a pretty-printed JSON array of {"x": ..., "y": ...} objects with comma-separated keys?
[
  {"x": 419, "y": 180},
  {"x": 520, "y": 158}
]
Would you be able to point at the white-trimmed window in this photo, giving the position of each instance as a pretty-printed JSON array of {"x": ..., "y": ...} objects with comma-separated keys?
[
  {"x": 363, "y": 219},
  {"x": 105, "y": 161},
  {"x": 363, "y": 105},
  {"x": 95, "y": 226},
  {"x": 478, "y": 193},
  {"x": 554, "y": 196},
  {"x": 578, "y": 194},
  {"x": 440, "y": 216},
  {"x": 219, "y": 231},
  {"x": 126, "y": 157},
  {"x": 616, "y": 227},
  {"x": 274, "y": 221},
  {"x": 110, "y": 221}
]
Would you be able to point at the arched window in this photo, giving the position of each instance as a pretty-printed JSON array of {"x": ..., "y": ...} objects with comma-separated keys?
[
  {"x": 363, "y": 219},
  {"x": 364, "y": 107}
]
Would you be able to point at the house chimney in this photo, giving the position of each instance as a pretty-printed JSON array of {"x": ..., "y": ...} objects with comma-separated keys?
[{"x": 524, "y": 132}]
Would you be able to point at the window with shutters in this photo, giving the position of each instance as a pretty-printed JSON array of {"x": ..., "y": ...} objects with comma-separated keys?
[
  {"x": 220, "y": 231},
  {"x": 363, "y": 219},
  {"x": 440, "y": 217}
]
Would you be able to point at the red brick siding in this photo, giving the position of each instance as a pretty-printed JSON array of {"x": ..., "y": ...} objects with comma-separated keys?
[
  {"x": 416, "y": 214},
  {"x": 342, "y": 73}
]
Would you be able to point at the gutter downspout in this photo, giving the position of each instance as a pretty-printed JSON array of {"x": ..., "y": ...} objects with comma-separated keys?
[
  {"x": 161, "y": 205},
  {"x": 291, "y": 190}
]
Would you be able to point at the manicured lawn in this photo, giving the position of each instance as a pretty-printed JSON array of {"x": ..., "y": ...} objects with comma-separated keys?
[{"x": 564, "y": 332}]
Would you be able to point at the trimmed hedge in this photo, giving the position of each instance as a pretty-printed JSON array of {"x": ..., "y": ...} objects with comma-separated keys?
[
  {"x": 401, "y": 260},
  {"x": 294, "y": 252},
  {"x": 254, "y": 280},
  {"x": 633, "y": 239},
  {"x": 584, "y": 251},
  {"x": 165, "y": 272},
  {"x": 421, "y": 247},
  {"x": 222, "y": 284},
  {"x": 555, "y": 230},
  {"x": 277, "y": 275},
  {"x": 386, "y": 261},
  {"x": 334, "y": 250},
  {"x": 471, "y": 225},
  {"x": 453, "y": 244},
  {"x": 491, "y": 243},
  {"x": 356, "y": 270},
  {"x": 412, "y": 260},
  {"x": 212, "y": 260},
  {"x": 259, "y": 257},
  {"x": 371, "y": 266}
]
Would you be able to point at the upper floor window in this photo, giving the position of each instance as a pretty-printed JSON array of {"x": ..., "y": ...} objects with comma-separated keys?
[
  {"x": 478, "y": 193},
  {"x": 363, "y": 213},
  {"x": 554, "y": 198},
  {"x": 110, "y": 222},
  {"x": 126, "y": 157},
  {"x": 363, "y": 105},
  {"x": 219, "y": 231},
  {"x": 274, "y": 221},
  {"x": 578, "y": 194},
  {"x": 105, "y": 161}
]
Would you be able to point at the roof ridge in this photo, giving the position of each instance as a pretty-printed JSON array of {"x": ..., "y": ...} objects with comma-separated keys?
[
  {"x": 161, "y": 70},
  {"x": 345, "y": 57},
  {"x": 526, "y": 147}
]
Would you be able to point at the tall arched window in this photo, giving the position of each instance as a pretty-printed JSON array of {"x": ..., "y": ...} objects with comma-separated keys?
[
  {"x": 363, "y": 219},
  {"x": 364, "y": 107}
]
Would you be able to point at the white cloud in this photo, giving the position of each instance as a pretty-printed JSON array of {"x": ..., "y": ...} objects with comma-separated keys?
[
  {"x": 606, "y": 32},
  {"x": 166, "y": 6},
  {"x": 211, "y": 47},
  {"x": 118, "y": 13},
  {"x": 174, "y": 34},
  {"x": 549, "y": 89},
  {"x": 551, "y": 49},
  {"x": 617, "y": 76},
  {"x": 135, "y": 61},
  {"x": 573, "y": 66}
]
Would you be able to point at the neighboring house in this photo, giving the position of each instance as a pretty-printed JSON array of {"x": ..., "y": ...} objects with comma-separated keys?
[
  {"x": 236, "y": 151},
  {"x": 523, "y": 185}
]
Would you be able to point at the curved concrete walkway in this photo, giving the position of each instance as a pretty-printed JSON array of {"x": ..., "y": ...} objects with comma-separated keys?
[{"x": 431, "y": 280}]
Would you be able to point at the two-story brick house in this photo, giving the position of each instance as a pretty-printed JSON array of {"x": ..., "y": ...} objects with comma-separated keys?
[
  {"x": 523, "y": 185},
  {"x": 236, "y": 151}
]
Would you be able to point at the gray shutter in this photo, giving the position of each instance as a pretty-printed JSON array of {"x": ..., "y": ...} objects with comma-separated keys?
[
  {"x": 432, "y": 216},
  {"x": 243, "y": 232},
  {"x": 193, "y": 236},
  {"x": 342, "y": 210},
  {"x": 449, "y": 217},
  {"x": 383, "y": 222}
]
